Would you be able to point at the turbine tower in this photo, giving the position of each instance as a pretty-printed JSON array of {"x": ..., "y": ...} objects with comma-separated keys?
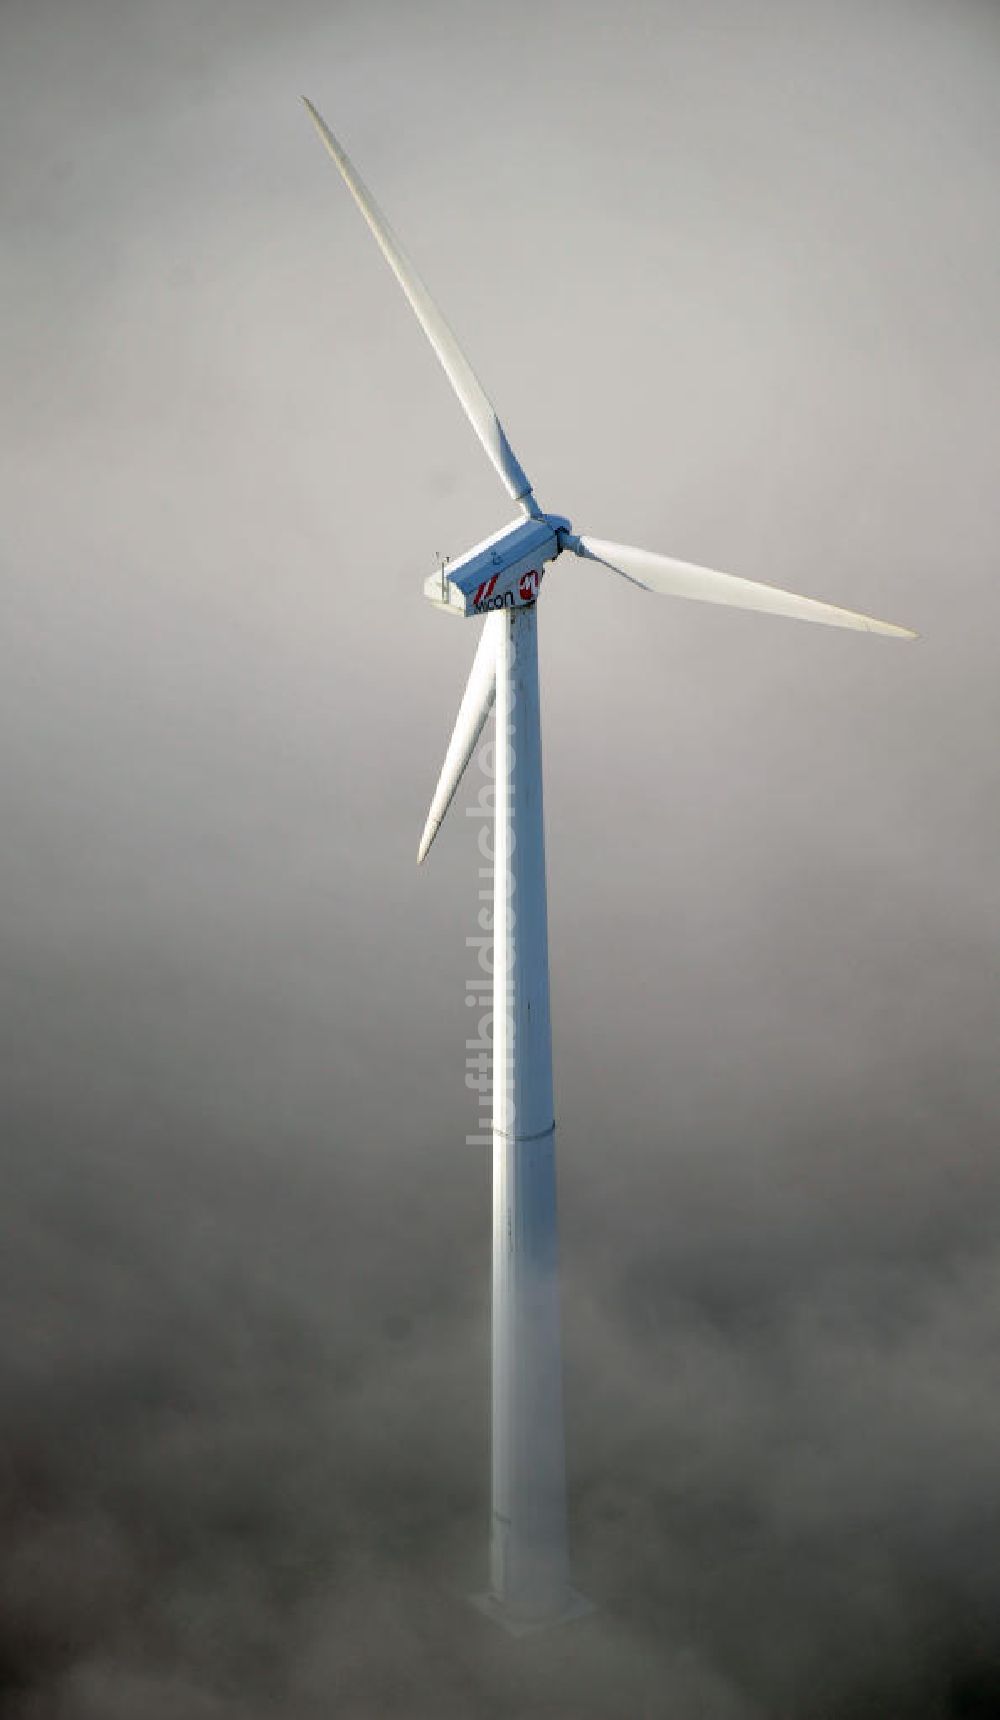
[{"x": 500, "y": 579}]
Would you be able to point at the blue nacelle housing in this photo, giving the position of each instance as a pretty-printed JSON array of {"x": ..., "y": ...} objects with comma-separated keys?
[{"x": 502, "y": 572}]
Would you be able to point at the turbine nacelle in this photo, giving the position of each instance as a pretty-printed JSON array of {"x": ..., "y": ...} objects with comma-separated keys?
[{"x": 503, "y": 572}]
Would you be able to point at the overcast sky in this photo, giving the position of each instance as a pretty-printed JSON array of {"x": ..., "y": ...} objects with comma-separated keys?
[{"x": 731, "y": 274}]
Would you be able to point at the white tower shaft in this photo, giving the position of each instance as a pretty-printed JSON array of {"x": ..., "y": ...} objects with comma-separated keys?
[{"x": 528, "y": 1554}]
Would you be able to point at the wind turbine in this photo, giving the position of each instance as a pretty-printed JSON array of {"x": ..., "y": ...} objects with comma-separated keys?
[{"x": 500, "y": 579}]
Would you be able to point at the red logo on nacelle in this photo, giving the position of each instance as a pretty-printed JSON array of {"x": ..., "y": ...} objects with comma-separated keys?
[
  {"x": 485, "y": 590},
  {"x": 528, "y": 586}
]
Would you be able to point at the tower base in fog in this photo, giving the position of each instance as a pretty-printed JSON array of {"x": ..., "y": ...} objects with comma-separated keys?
[{"x": 574, "y": 1606}]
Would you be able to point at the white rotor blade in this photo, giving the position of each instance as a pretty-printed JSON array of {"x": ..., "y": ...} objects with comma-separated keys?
[
  {"x": 660, "y": 573},
  {"x": 477, "y": 702},
  {"x": 457, "y": 368}
]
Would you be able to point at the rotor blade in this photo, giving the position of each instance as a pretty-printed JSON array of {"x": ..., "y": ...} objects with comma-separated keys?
[
  {"x": 477, "y": 702},
  {"x": 671, "y": 578},
  {"x": 457, "y": 368}
]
